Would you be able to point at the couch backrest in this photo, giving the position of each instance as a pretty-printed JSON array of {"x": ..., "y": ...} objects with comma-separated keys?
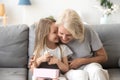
[
  {"x": 31, "y": 39},
  {"x": 14, "y": 46},
  {"x": 110, "y": 37}
]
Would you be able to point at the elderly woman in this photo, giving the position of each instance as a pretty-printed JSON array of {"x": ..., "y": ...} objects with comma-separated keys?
[{"x": 82, "y": 40}]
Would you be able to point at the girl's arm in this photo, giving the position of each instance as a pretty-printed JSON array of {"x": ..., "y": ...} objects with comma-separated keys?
[
  {"x": 32, "y": 63},
  {"x": 35, "y": 63},
  {"x": 63, "y": 65}
]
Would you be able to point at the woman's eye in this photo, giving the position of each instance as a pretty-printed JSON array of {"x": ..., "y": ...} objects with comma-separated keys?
[{"x": 61, "y": 33}]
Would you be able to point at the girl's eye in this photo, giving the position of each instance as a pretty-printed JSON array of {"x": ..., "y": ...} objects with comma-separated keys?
[{"x": 54, "y": 32}]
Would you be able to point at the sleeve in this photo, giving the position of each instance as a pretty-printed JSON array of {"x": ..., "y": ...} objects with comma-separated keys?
[
  {"x": 95, "y": 41},
  {"x": 66, "y": 51}
]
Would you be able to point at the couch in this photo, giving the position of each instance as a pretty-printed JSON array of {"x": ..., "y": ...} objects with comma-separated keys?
[{"x": 17, "y": 42}]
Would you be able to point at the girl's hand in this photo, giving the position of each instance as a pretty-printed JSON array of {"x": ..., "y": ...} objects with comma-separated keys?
[
  {"x": 53, "y": 60},
  {"x": 31, "y": 62},
  {"x": 44, "y": 58}
]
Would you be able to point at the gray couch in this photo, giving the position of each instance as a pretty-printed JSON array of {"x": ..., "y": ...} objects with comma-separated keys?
[{"x": 16, "y": 45}]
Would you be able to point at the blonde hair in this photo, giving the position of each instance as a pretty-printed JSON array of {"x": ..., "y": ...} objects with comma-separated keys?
[
  {"x": 41, "y": 32},
  {"x": 72, "y": 22}
]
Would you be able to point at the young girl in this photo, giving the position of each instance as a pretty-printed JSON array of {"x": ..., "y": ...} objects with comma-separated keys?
[{"x": 48, "y": 53}]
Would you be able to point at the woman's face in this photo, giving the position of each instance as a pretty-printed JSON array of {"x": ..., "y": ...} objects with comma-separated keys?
[{"x": 64, "y": 35}]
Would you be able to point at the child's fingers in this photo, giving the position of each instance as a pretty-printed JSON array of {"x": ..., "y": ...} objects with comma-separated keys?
[
  {"x": 47, "y": 55},
  {"x": 32, "y": 57}
]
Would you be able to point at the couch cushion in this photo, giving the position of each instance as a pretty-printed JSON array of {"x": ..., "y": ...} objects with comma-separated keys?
[
  {"x": 30, "y": 75},
  {"x": 110, "y": 37},
  {"x": 13, "y": 46},
  {"x": 114, "y": 74},
  {"x": 13, "y": 74},
  {"x": 31, "y": 39}
]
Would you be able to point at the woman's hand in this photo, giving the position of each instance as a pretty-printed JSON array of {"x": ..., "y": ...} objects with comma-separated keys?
[
  {"x": 99, "y": 57},
  {"x": 76, "y": 63}
]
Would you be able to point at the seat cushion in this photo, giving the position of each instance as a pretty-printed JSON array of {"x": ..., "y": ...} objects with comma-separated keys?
[
  {"x": 13, "y": 74},
  {"x": 114, "y": 74}
]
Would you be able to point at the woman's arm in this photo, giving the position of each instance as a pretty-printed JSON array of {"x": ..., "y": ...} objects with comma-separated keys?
[{"x": 100, "y": 57}]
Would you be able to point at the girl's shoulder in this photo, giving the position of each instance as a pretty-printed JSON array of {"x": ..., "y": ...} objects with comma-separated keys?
[
  {"x": 63, "y": 46},
  {"x": 65, "y": 50}
]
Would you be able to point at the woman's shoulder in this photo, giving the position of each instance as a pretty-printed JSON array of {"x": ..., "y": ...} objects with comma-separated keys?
[
  {"x": 89, "y": 31},
  {"x": 88, "y": 27}
]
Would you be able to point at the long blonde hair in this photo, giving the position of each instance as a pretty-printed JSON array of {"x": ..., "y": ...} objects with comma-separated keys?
[
  {"x": 72, "y": 22},
  {"x": 41, "y": 32}
]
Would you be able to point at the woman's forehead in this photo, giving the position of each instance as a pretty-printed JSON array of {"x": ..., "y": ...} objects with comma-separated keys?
[{"x": 63, "y": 30}]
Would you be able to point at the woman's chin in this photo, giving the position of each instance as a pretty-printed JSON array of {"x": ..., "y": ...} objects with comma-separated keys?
[{"x": 65, "y": 42}]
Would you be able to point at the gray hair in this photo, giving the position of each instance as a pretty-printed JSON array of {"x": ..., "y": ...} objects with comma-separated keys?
[{"x": 72, "y": 22}]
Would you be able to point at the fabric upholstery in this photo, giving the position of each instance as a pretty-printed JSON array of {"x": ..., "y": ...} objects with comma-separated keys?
[
  {"x": 110, "y": 37},
  {"x": 31, "y": 39},
  {"x": 30, "y": 75},
  {"x": 114, "y": 74},
  {"x": 13, "y": 74},
  {"x": 119, "y": 62},
  {"x": 13, "y": 46}
]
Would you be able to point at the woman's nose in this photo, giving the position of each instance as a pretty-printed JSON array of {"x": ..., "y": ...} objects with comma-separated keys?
[{"x": 64, "y": 37}]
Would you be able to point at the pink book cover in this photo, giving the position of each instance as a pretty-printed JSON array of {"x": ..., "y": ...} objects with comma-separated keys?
[{"x": 46, "y": 73}]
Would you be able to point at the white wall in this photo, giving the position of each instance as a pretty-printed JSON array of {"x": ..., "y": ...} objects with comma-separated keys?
[{"x": 42, "y": 8}]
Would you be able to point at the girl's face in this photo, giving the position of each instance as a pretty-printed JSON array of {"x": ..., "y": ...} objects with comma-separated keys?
[
  {"x": 53, "y": 35},
  {"x": 64, "y": 35}
]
